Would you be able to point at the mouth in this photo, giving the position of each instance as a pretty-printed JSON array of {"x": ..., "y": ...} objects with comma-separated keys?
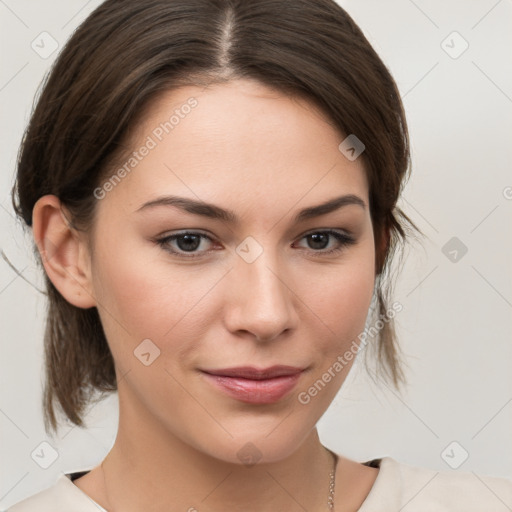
[{"x": 253, "y": 385}]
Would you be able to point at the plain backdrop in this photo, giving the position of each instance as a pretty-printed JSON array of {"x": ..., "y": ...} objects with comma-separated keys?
[{"x": 452, "y": 62}]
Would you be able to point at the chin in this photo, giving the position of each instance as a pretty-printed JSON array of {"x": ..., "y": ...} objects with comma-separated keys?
[{"x": 258, "y": 449}]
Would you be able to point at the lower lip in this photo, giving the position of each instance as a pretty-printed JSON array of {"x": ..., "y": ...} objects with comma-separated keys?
[{"x": 266, "y": 391}]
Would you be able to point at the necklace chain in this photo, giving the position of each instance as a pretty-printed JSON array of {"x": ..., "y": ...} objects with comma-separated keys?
[
  {"x": 330, "y": 499},
  {"x": 332, "y": 480}
]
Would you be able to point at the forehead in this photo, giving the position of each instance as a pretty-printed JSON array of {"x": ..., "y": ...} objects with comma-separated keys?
[{"x": 235, "y": 142}]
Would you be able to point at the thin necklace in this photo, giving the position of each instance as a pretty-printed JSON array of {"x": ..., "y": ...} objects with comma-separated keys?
[
  {"x": 330, "y": 499},
  {"x": 332, "y": 479}
]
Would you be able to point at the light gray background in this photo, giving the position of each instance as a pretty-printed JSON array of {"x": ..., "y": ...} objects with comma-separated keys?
[{"x": 456, "y": 325}]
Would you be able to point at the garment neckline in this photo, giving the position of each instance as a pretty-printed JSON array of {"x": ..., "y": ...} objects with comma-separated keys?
[{"x": 381, "y": 481}]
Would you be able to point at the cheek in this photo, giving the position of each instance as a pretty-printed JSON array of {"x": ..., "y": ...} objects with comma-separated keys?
[
  {"x": 354, "y": 297},
  {"x": 343, "y": 308},
  {"x": 143, "y": 295},
  {"x": 341, "y": 295}
]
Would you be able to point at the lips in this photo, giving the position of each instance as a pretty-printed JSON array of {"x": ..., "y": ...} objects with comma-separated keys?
[
  {"x": 253, "y": 385},
  {"x": 248, "y": 372}
]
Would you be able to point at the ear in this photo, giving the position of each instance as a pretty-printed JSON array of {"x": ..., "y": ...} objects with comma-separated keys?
[{"x": 64, "y": 252}]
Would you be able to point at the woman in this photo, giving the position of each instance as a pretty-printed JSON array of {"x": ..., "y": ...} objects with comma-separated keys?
[{"x": 212, "y": 188}]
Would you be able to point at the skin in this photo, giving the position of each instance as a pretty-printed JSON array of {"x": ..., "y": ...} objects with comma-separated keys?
[{"x": 265, "y": 156}]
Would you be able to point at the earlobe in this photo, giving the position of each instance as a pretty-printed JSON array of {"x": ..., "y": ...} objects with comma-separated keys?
[{"x": 62, "y": 251}]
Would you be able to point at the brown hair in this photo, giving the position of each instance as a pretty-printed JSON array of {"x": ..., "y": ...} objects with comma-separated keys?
[{"x": 114, "y": 65}]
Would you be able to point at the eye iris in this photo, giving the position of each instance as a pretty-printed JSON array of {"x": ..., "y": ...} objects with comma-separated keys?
[
  {"x": 191, "y": 242},
  {"x": 319, "y": 240}
]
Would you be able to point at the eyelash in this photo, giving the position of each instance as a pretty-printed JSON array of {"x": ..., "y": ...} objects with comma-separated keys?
[{"x": 343, "y": 239}]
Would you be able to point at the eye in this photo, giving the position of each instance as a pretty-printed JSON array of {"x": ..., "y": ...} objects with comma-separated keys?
[
  {"x": 187, "y": 244},
  {"x": 319, "y": 240}
]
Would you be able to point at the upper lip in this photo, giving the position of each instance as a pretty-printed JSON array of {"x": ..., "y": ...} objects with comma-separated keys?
[{"x": 249, "y": 372}]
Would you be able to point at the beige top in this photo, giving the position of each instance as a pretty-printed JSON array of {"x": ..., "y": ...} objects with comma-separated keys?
[{"x": 398, "y": 487}]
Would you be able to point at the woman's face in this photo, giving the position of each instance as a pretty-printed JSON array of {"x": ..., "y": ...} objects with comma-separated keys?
[{"x": 258, "y": 287}]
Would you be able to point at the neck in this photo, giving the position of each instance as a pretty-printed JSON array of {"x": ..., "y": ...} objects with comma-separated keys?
[{"x": 151, "y": 469}]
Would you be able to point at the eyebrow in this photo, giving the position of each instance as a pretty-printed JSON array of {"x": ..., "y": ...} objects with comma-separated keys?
[{"x": 216, "y": 212}]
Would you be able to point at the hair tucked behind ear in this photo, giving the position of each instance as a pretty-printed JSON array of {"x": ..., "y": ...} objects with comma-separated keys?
[{"x": 126, "y": 53}]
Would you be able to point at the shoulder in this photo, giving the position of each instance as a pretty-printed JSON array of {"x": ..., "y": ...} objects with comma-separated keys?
[
  {"x": 415, "y": 489},
  {"x": 62, "y": 496}
]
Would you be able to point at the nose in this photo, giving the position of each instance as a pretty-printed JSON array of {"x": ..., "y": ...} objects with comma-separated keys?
[{"x": 262, "y": 302}]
